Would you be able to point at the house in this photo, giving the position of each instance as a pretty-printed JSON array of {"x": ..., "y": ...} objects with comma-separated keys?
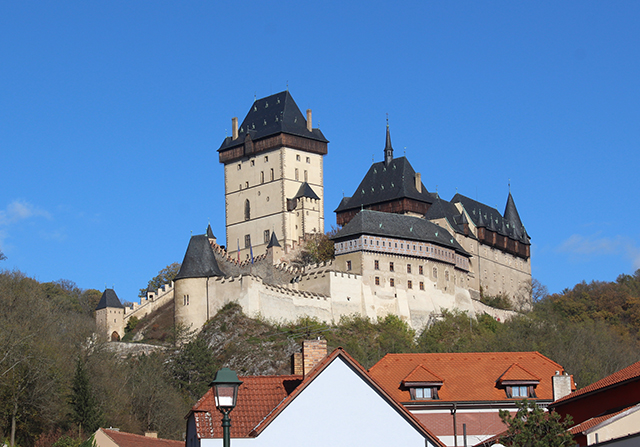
[
  {"x": 333, "y": 401},
  {"x": 454, "y": 392},
  {"x": 109, "y": 437},
  {"x": 605, "y": 410}
]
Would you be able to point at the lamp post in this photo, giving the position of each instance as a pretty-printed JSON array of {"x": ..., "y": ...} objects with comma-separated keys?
[{"x": 225, "y": 389}]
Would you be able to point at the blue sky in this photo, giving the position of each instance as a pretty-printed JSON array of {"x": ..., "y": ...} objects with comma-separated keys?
[{"x": 111, "y": 114}]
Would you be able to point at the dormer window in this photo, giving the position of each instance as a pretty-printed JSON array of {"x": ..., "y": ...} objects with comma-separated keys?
[
  {"x": 518, "y": 383},
  {"x": 422, "y": 384}
]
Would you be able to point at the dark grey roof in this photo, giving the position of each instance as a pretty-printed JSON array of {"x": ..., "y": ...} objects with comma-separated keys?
[
  {"x": 272, "y": 115},
  {"x": 377, "y": 223},
  {"x": 209, "y": 232},
  {"x": 386, "y": 182},
  {"x": 511, "y": 212},
  {"x": 199, "y": 260},
  {"x": 442, "y": 209},
  {"x": 109, "y": 299},
  {"x": 306, "y": 191},
  {"x": 273, "y": 242},
  {"x": 485, "y": 216}
]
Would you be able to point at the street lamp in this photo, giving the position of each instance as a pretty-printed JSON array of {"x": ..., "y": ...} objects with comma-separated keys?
[{"x": 225, "y": 389}]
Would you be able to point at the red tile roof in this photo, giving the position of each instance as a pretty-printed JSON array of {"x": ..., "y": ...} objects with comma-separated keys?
[
  {"x": 467, "y": 376},
  {"x": 517, "y": 373},
  {"x": 257, "y": 397},
  {"x": 629, "y": 373},
  {"x": 422, "y": 374},
  {"x": 270, "y": 395},
  {"x": 131, "y": 440}
]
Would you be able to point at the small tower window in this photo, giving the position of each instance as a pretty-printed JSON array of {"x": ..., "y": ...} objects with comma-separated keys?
[
  {"x": 247, "y": 210},
  {"x": 261, "y": 176},
  {"x": 272, "y": 177},
  {"x": 297, "y": 174}
]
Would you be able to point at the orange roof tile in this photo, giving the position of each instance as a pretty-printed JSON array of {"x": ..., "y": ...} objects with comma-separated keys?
[
  {"x": 257, "y": 397},
  {"x": 631, "y": 372},
  {"x": 420, "y": 374},
  {"x": 466, "y": 376},
  {"x": 130, "y": 440},
  {"x": 517, "y": 373}
]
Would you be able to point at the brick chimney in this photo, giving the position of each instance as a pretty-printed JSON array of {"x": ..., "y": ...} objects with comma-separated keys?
[
  {"x": 234, "y": 126},
  {"x": 309, "y": 120},
  {"x": 561, "y": 385},
  {"x": 313, "y": 352}
]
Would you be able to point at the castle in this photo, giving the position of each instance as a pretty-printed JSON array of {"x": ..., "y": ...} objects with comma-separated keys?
[{"x": 400, "y": 250}]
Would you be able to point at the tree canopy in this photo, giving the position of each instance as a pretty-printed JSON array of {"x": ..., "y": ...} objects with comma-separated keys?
[
  {"x": 531, "y": 426},
  {"x": 164, "y": 276}
]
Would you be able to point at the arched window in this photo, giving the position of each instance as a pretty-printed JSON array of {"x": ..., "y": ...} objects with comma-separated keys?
[
  {"x": 272, "y": 174},
  {"x": 261, "y": 176},
  {"x": 247, "y": 210}
]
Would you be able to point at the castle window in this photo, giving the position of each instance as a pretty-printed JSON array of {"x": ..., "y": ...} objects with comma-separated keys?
[
  {"x": 297, "y": 174},
  {"x": 246, "y": 184},
  {"x": 435, "y": 272},
  {"x": 297, "y": 157},
  {"x": 421, "y": 285},
  {"x": 247, "y": 241},
  {"x": 376, "y": 264},
  {"x": 420, "y": 270},
  {"x": 409, "y": 284},
  {"x": 392, "y": 282},
  {"x": 446, "y": 276},
  {"x": 348, "y": 265},
  {"x": 377, "y": 280},
  {"x": 377, "y": 242},
  {"x": 239, "y": 166},
  {"x": 391, "y": 269},
  {"x": 408, "y": 268},
  {"x": 308, "y": 160},
  {"x": 266, "y": 159},
  {"x": 306, "y": 175},
  {"x": 253, "y": 162},
  {"x": 261, "y": 176},
  {"x": 272, "y": 177},
  {"x": 247, "y": 210},
  {"x": 267, "y": 236}
]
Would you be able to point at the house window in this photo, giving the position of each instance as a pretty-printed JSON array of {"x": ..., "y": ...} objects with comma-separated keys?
[
  {"x": 247, "y": 240},
  {"x": 376, "y": 264},
  {"x": 409, "y": 284},
  {"x": 392, "y": 282},
  {"x": 408, "y": 268},
  {"x": 377, "y": 280},
  {"x": 391, "y": 267},
  {"x": 267, "y": 236},
  {"x": 348, "y": 265},
  {"x": 424, "y": 393},
  {"x": 520, "y": 391},
  {"x": 420, "y": 270},
  {"x": 421, "y": 285}
]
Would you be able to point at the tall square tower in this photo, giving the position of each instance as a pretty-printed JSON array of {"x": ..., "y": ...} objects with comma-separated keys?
[{"x": 273, "y": 169}]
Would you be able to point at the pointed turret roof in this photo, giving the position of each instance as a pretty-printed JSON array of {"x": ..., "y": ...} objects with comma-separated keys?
[
  {"x": 272, "y": 115},
  {"x": 210, "y": 232},
  {"x": 306, "y": 191},
  {"x": 199, "y": 260},
  {"x": 511, "y": 212},
  {"x": 273, "y": 242},
  {"x": 388, "y": 149},
  {"x": 109, "y": 299}
]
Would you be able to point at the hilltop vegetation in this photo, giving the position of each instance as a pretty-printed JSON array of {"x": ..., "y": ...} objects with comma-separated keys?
[{"x": 52, "y": 369}]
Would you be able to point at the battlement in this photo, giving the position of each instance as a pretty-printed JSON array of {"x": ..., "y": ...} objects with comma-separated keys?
[{"x": 151, "y": 302}]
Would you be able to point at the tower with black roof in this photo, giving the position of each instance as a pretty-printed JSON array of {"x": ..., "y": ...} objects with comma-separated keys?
[
  {"x": 110, "y": 316},
  {"x": 273, "y": 165}
]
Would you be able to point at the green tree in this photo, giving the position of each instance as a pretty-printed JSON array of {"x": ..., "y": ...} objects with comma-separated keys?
[
  {"x": 85, "y": 411},
  {"x": 164, "y": 276},
  {"x": 193, "y": 367},
  {"x": 533, "y": 427}
]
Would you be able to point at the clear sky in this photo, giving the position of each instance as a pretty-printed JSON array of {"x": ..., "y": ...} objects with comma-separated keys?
[{"x": 111, "y": 114}]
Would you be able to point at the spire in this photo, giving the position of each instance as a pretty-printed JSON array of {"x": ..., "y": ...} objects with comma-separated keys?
[
  {"x": 273, "y": 242},
  {"x": 388, "y": 150},
  {"x": 511, "y": 213},
  {"x": 210, "y": 232}
]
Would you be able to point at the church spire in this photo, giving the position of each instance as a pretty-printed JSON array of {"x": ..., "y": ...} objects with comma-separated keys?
[{"x": 388, "y": 150}]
